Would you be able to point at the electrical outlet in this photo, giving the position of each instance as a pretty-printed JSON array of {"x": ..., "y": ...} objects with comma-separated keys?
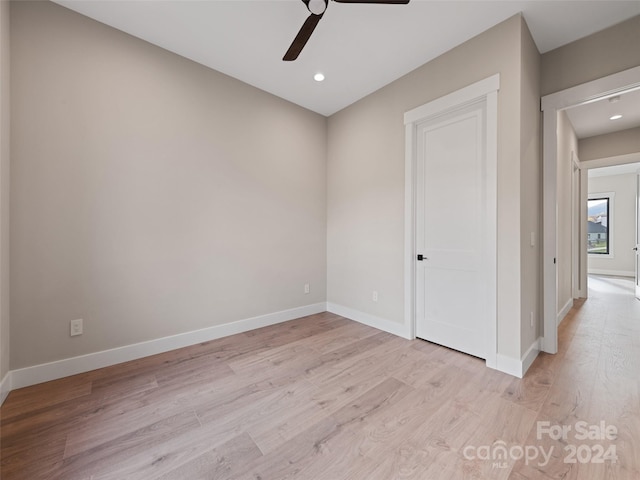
[
  {"x": 307, "y": 288},
  {"x": 76, "y": 327},
  {"x": 374, "y": 297}
]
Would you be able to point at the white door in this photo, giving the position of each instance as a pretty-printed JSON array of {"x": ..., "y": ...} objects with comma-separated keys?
[
  {"x": 637, "y": 247},
  {"x": 451, "y": 219}
]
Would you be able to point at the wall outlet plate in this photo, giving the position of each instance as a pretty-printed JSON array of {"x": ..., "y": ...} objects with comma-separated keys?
[{"x": 76, "y": 327}]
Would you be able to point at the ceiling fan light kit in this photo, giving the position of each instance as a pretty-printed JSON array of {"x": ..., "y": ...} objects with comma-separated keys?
[{"x": 317, "y": 9}]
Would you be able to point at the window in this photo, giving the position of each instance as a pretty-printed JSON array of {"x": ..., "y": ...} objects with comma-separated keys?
[{"x": 599, "y": 220}]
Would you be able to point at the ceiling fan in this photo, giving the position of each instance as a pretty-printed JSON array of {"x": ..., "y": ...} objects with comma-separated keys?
[{"x": 317, "y": 9}]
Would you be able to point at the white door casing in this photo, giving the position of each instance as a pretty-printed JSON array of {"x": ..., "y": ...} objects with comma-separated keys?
[
  {"x": 637, "y": 247},
  {"x": 456, "y": 272},
  {"x": 579, "y": 231},
  {"x": 575, "y": 225},
  {"x": 551, "y": 105}
]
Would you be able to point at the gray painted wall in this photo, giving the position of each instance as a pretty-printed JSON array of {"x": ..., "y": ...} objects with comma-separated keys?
[
  {"x": 150, "y": 195},
  {"x": 531, "y": 193},
  {"x": 366, "y": 179},
  {"x": 5, "y": 151},
  {"x": 606, "y": 52},
  {"x": 613, "y": 144}
]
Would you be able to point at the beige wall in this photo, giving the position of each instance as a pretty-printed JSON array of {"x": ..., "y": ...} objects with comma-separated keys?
[
  {"x": 606, "y": 52},
  {"x": 4, "y": 186},
  {"x": 531, "y": 192},
  {"x": 567, "y": 146},
  {"x": 150, "y": 195},
  {"x": 366, "y": 179},
  {"x": 623, "y": 142},
  {"x": 622, "y": 224}
]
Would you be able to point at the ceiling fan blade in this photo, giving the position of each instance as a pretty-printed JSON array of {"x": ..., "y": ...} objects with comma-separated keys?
[
  {"x": 302, "y": 38},
  {"x": 387, "y": 2}
]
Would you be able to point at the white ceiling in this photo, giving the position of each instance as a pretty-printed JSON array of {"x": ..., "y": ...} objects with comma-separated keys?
[
  {"x": 614, "y": 170},
  {"x": 360, "y": 48},
  {"x": 593, "y": 118}
]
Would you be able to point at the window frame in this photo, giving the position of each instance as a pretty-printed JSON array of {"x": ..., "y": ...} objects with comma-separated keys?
[{"x": 610, "y": 197}]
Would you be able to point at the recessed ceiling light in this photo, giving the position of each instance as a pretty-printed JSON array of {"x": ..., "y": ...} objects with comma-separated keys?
[
  {"x": 318, "y": 77},
  {"x": 615, "y": 117}
]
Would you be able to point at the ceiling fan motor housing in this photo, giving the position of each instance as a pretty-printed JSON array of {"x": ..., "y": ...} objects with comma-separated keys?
[{"x": 317, "y": 9}]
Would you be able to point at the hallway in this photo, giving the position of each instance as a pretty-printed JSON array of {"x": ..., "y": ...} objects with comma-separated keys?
[{"x": 595, "y": 379}]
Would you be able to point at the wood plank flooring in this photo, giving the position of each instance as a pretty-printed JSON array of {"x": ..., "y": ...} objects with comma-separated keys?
[{"x": 323, "y": 397}]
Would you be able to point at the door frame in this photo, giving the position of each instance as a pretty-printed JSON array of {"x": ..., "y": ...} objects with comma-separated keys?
[
  {"x": 485, "y": 90},
  {"x": 637, "y": 246},
  {"x": 551, "y": 106},
  {"x": 579, "y": 196},
  {"x": 581, "y": 211}
]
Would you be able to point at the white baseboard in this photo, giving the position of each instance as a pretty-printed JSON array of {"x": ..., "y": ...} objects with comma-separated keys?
[
  {"x": 531, "y": 354},
  {"x": 564, "y": 311},
  {"x": 516, "y": 367},
  {"x": 509, "y": 365},
  {"x": 383, "y": 324},
  {"x": 612, "y": 273},
  {"x": 25, "y": 377},
  {"x": 5, "y": 387}
]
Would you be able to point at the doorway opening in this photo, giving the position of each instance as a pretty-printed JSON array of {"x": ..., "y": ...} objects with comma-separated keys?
[{"x": 564, "y": 261}]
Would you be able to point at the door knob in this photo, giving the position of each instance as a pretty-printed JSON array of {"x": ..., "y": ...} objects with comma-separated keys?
[{"x": 422, "y": 257}]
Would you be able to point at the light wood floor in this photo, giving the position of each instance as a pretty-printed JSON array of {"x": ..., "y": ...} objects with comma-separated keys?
[{"x": 326, "y": 398}]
